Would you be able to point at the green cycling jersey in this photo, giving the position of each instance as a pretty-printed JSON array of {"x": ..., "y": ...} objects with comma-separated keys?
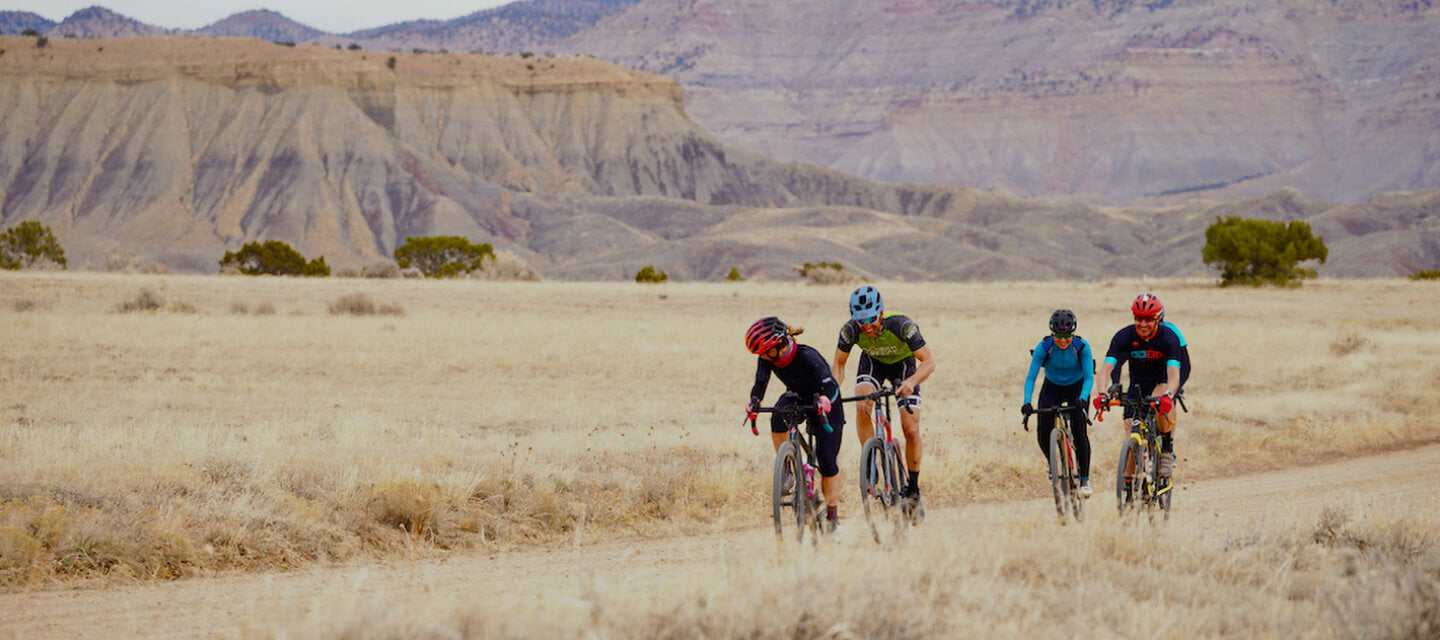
[{"x": 898, "y": 340}]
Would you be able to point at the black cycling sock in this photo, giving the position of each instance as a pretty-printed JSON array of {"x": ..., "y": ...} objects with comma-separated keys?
[
  {"x": 1167, "y": 443},
  {"x": 914, "y": 483},
  {"x": 830, "y": 513}
]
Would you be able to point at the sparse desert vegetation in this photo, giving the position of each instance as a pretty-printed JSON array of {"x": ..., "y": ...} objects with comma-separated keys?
[{"x": 502, "y": 415}]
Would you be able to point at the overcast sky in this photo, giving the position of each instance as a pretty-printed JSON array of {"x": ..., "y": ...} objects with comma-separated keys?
[{"x": 335, "y": 16}]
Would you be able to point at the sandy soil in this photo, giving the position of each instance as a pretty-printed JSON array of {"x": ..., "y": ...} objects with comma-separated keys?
[{"x": 221, "y": 607}]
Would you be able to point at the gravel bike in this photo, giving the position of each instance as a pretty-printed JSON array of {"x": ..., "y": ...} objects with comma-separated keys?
[
  {"x": 796, "y": 496},
  {"x": 1138, "y": 483},
  {"x": 884, "y": 481},
  {"x": 1064, "y": 475}
]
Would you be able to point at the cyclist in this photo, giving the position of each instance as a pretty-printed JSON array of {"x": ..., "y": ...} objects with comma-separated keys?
[
  {"x": 891, "y": 348},
  {"x": 804, "y": 371},
  {"x": 1069, "y": 375},
  {"x": 1154, "y": 352},
  {"x": 1184, "y": 357}
]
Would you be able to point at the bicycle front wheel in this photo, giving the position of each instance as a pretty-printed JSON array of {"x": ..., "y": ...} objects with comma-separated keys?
[
  {"x": 879, "y": 493},
  {"x": 788, "y": 492},
  {"x": 1059, "y": 474}
]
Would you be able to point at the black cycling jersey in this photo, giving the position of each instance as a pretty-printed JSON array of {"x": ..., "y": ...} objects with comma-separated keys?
[
  {"x": 1148, "y": 358},
  {"x": 807, "y": 375},
  {"x": 1184, "y": 357}
]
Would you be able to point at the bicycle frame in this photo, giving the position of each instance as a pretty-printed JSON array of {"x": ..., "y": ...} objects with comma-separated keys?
[
  {"x": 1064, "y": 471},
  {"x": 1138, "y": 482},
  {"x": 883, "y": 477},
  {"x": 797, "y": 457}
]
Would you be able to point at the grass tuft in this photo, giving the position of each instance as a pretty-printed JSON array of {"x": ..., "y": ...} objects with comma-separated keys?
[{"x": 145, "y": 300}]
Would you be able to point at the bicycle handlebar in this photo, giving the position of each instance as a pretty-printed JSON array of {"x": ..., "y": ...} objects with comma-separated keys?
[
  {"x": 876, "y": 395},
  {"x": 1127, "y": 401},
  {"x": 799, "y": 411},
  {"x": 1057, "y": 409}
]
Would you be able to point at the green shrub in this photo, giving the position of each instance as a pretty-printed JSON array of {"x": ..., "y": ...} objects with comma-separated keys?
[
  {"x": 825, "y": 273},
  {"x": 1257, "y": 252},
  {"x": 808, "y": 268},
  {"x": 734, "y": 275},
  {"x": 1426, "y": 274},
  {"x": 30, "y": 245},
  {"x": 273, "y": 257},
  {"x": 443, "y": 256},
  {"x": 649, "y": 274},
  {"x": 391, "y": 63}
]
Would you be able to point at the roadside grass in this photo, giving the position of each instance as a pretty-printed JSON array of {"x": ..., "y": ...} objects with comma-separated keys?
[
  {"x": 499, "y": 415},
  {"x": 1352, "y": 571}
]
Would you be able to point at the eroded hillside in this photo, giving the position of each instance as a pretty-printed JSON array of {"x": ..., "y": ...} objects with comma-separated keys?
[{"x": 177, "y": 149}]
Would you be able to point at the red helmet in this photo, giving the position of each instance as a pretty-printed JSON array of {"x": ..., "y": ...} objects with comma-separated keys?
[
  {"x": 766, "y": 334},
  {"x": 1146, "y": 304}
]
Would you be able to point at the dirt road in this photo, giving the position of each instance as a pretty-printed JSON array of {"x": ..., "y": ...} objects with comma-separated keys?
[{"x": 222, "y": 607}]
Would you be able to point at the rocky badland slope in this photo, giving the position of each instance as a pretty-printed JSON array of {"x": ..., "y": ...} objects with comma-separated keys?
[
  {"x": 1114, "y": 101},
  {"x": 176, "y": 149},
  {"x": 1107, "y": 101}
]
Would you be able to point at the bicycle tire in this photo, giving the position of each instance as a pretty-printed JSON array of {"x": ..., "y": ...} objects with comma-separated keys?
[
  {"x": 1128, "y": 491},
  {"x": 1162, "y": 499},
  {"x": 1072, "y": 461},
  {"x": 788, "y": 506},
  {"x": 1072, "y": 472},
  {"x": 1059, "y": 483},
  {"x": 879, "y": 492}
]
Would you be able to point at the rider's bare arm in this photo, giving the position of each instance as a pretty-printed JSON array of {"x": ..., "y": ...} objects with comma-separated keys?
[{"x": 924, "y": 366}]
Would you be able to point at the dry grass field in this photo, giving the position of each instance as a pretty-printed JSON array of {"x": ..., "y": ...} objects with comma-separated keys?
[{"x": 252, "y": 424}]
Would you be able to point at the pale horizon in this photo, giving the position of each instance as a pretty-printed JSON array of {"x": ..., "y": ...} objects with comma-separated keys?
[{"x": 331, "y": 17}]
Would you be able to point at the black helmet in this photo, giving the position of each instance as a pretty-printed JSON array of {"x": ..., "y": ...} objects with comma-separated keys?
[{"x": 1062, "y": 321}]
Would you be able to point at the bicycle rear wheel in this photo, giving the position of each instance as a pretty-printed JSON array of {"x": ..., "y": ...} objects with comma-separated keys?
[
  {"x": 1165, "y": 485},
  {"x": 880, "y": 493},
  {"x": 1129, "y": 491},
  {"x": 788, "y": 495}
]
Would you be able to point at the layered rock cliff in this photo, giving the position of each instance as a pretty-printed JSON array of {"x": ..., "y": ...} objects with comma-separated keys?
[
  {"x": 1114, "y": 101},
  {"x": 177, "y": 149}
]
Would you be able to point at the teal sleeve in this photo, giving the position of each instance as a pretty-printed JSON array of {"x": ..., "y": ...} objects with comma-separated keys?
[
  {"x": 1036, "y": 358},
  {"x": 1087, "y": 366}
]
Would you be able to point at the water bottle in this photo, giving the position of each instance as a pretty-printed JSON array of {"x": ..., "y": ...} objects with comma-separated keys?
[{"x": 809, "y": 481}]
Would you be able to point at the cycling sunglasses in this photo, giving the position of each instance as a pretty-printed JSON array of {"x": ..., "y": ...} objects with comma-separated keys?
[
  {"x": 1063, "y": 336},
  {"x": 870, "y": 320},
  {"x": 1147, "y": 318}
]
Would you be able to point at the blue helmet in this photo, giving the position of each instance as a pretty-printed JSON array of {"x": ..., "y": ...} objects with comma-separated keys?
[{"x": 865, "y": 303}]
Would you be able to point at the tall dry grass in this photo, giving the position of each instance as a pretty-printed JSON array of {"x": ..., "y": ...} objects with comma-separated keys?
[
  {"x": 491, "y": 415},
  {"x": 1367, "y": 570}
]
